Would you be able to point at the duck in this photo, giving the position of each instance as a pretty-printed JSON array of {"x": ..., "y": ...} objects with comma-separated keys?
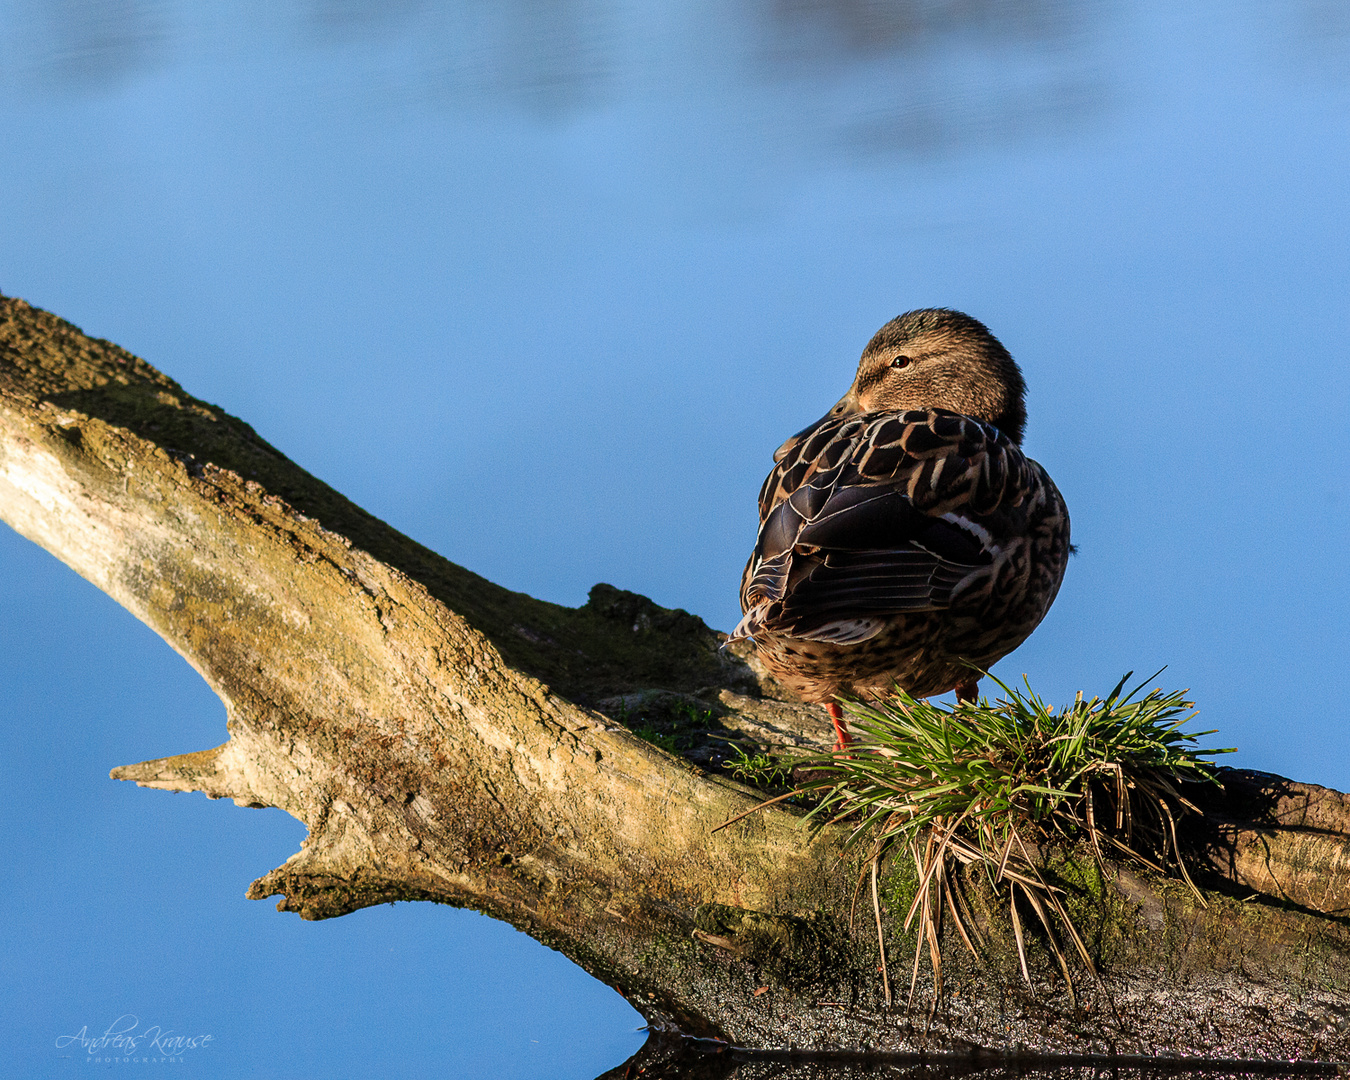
[{"x": 905, "y": 539}]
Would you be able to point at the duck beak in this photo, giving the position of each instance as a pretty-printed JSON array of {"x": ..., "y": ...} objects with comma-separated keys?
[{"x": 843, "y": 407}]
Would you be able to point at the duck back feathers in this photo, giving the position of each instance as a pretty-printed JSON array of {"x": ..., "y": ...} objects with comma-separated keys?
[{"x": 897, "y": 546}]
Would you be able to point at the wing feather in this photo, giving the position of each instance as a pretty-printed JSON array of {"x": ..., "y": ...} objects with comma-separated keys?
[{"x": 868, "y": 516}]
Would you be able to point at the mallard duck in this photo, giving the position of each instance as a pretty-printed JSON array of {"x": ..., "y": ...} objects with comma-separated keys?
[{"x": 904, "y": 536}]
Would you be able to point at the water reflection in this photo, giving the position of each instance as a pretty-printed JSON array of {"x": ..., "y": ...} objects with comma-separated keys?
[
  {"x": 83, "y": 44},
  {"x": 862, "y": 75},
  {"x": 344, "y": 20},
  {"x": 856, "y": 74},
  {"x": 663, "y": 1059},
  {"x": 551, "y": 57},
  {"x": 847, "y": 29},
  {"x": 1320, "y": 37},
  {"x": 924, "y": 75}
]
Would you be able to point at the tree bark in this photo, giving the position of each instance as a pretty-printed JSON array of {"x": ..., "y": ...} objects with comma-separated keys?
[{"x": 445, "y": 739}]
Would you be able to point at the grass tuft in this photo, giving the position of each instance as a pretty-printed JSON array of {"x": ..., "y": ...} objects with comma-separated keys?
[
  {"x": 760, "y": 769},
  {"x": 987, "y": 784}
]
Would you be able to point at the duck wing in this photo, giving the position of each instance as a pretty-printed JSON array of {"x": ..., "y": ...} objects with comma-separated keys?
[{"x": 868, "y": 516}]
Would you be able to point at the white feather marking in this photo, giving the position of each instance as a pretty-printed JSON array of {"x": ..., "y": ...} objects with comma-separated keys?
[
  {"x": 845, "y": 631},
  {"x": 742, "y": 631},
  {"x": 979, "y": 532}
]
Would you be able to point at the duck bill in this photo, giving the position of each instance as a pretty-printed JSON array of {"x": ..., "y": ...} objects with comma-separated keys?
[{"x": 845, "y": 405}]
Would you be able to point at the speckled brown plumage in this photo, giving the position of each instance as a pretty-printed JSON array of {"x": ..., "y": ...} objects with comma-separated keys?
[{"x": 906, "y": 532}]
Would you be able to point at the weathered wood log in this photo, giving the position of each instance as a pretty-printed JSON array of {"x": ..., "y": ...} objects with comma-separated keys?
[{"x": 445, "y": 739}]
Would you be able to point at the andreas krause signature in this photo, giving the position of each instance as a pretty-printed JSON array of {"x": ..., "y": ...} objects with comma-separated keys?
[{"x": 122, "y": 1035}]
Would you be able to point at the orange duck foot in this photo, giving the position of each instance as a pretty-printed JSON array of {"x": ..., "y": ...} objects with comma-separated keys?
[{"x": 840, "y": 727}]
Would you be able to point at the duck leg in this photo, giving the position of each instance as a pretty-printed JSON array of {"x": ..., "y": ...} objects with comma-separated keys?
[
  {"x": 840, "y": 727},
  {"x": 968, "y": 690}
]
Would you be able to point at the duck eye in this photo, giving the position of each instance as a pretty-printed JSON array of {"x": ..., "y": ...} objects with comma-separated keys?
[{"x": 901, "y": 362}]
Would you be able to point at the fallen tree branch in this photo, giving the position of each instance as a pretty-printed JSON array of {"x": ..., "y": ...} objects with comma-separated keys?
[{"x": 445, "y": 739}]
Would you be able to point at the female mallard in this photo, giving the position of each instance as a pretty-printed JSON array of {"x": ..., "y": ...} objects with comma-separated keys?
[{"x": 905, "y": 536}]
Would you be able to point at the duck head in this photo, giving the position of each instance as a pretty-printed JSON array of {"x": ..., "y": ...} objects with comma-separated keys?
[{"x": 938, "y": 358}]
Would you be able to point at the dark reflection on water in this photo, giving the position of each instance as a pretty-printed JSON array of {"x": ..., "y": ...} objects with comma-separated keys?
[
  {"x": 348, "y": 20},
  {"x": 1319, "y": 37},
  {"x": 922, "y": 75},
  {"x": 662, "y": 1059},
  {"x": 860, "y": 76},
  {"x": 869, "y": 75},
  {"x": 848, "y": 29},
  {"x": 89, "y": 43}
]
